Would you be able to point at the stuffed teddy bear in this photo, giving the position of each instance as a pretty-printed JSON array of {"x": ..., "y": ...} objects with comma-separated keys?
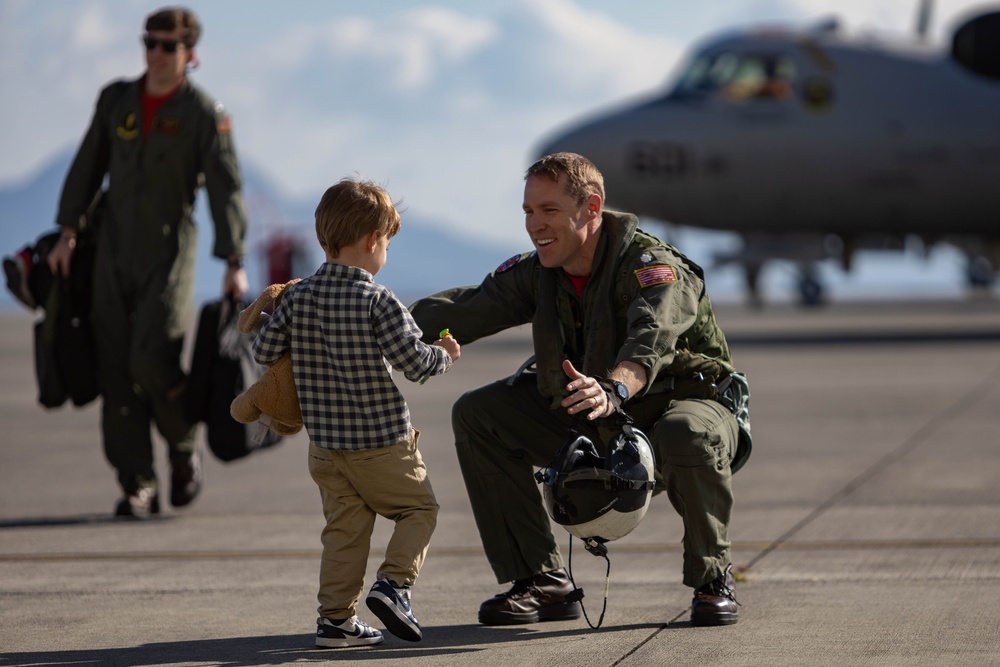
[{"x": 271, "y": 400}]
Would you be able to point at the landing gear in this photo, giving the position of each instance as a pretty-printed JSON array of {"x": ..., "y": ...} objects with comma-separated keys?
[
  {"x": 979, "y": 272},
  {"x": 810, "y": 288},
  {"x": 753, "y": 285},
  {"x": 811, "y": 291}
]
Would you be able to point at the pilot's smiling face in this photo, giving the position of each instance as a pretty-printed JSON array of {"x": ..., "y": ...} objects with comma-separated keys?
[{"x": 557, "y": 225}]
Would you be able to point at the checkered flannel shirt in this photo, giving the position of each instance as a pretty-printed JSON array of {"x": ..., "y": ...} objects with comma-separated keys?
[{"x": 345, "y": 332}]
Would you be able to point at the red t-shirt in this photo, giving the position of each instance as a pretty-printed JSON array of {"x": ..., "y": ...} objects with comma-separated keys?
[
  {"x": 578, "y": 283},
  {"x": 150, "y": 105}
]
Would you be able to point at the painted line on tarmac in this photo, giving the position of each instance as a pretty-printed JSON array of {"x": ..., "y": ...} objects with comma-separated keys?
[
  {"x": 935, "y": 424},
  {"x": 825, "y": 545}
]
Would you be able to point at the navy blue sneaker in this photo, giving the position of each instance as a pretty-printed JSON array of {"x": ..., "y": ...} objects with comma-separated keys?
[
  {"x": 352, "y": 632},
  {"x": 392, "y": 606}
]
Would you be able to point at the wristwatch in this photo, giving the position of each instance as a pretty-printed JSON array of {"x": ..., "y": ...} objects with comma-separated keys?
[
  {"x": 620, "y": 390},
  {"x": 615, "y": 388}
]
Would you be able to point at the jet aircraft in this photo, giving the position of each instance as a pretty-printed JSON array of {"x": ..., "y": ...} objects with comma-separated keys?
[{"x": 811, "y": 145}]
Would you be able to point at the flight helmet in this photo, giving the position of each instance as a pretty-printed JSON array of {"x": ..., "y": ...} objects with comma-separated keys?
[{"x": 599, "y": 499}]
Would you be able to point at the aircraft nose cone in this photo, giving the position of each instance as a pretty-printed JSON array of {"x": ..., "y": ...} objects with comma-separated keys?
[
  {"x": 577, "y": 140},
  {"x": 604, "y": 141},
  {"x": 588, "y": 140}
]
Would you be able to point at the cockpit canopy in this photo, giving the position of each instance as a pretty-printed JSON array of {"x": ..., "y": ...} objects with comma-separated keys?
[{"x": 739, "y": 76}]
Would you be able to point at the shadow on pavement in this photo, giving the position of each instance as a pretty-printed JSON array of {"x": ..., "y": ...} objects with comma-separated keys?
[
  {"x": 79, "y": 520},
  {"x": 298, "y": 648}
]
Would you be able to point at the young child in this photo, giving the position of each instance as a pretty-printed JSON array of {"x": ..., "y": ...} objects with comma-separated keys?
[{"x": 345, "y": 331}]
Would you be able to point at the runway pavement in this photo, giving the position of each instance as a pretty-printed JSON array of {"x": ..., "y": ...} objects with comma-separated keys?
[{"x": 866, "y": 529}]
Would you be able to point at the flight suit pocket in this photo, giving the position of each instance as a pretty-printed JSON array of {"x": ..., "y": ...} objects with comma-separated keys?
[{"x": 695, "y": 433}]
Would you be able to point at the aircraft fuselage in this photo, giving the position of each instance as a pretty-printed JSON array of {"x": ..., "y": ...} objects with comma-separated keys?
[{"x": 859, "y": 140}]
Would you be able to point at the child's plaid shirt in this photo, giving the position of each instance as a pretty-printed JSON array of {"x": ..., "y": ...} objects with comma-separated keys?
[{"x": 345, "y": 331}]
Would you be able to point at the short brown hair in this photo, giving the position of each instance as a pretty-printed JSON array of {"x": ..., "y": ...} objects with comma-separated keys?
[
  {"x": 169, "y": 19},
  {"x": 352, "y": 209},
  {"x": 582, "y": 177}
]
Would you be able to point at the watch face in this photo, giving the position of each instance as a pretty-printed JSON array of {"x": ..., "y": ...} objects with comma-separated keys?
[{"x": 621, "y": 390}]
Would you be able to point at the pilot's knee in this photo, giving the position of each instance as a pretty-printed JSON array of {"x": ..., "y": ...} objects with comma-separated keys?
[
  {"x": 694, "y": 433},
  {"x": 464, "y": 409},
  {"x": 471, "y": 413}
]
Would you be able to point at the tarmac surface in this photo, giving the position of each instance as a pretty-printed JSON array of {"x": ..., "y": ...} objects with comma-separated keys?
[{"x": 866, "y": 528}]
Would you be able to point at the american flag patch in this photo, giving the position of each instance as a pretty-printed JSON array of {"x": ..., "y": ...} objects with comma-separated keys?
[
  {"x": 509, "y": 263},
  {"x": 656, "y": 275}
]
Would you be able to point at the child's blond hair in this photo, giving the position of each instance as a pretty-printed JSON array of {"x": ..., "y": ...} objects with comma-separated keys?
[{"x": 352, "y": 209}]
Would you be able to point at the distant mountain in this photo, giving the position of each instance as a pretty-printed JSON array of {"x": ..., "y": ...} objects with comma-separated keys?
[{"x": 423, "y": 257}]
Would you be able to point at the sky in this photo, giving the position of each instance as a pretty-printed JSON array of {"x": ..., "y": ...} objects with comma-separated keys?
[{"x": 443, "y": 102}]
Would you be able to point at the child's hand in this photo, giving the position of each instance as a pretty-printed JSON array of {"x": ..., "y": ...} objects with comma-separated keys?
[{"x": 449, "y": 344}]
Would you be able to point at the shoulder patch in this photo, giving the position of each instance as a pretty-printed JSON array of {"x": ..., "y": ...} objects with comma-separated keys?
[
  {"x": 655, "y": 275},
  {"x": 222, "y": 121},
  {"x": 509, "y": 263}
]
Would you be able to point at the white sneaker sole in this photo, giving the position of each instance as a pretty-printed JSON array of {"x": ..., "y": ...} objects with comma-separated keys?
[
  {"x": 395, "y": 621},
  {"x": 324, "y": 642}
]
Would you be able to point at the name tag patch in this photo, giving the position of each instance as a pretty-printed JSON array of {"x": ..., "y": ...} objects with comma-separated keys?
[
  {"x": 655, "y": 275},
  {"x": 166, "y": 125}
]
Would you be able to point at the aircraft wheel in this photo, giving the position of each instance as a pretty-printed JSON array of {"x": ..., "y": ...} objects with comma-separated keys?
[
  {"x": 980, "y": 272},
  {"x": 810, "y": 290}
]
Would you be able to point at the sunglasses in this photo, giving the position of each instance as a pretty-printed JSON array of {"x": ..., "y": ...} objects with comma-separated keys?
[{"x": 168, "y": 45}]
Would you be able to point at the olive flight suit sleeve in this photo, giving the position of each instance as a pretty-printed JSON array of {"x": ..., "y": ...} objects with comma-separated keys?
[
  {"x": 663, "y": 297},
  {"x": 505, "y": 299},
  {"x": 223, "y": 183},
  {"x": 93, "y": 158}
]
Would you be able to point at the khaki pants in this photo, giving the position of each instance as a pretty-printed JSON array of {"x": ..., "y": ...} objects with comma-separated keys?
[
  {"x": 355, "y": 486},
  {"x": 503, "y": 432}
]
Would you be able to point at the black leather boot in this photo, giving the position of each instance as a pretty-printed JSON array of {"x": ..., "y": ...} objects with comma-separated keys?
[
  {"x": 715, "y": 602},
  {"x": 544, "y": 597}
]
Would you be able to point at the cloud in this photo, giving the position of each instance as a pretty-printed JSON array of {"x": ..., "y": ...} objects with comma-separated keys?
[
  {"x": 54, "y": 57},
  {"x": 444, "y": 103},
  {"x": 586, "y": 47},
  {"x": 443, "y": 106},
  {"x": 406, "y": 50},
  {"x": 92, "y": 30}
]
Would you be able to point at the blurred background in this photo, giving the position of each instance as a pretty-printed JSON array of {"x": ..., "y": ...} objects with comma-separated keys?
[{"x": 445, "y": 103}]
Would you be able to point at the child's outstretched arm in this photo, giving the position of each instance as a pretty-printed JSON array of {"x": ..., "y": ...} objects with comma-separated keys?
[{"x": 448, "y": 343}]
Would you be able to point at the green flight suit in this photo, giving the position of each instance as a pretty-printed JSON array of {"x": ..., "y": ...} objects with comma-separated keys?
[
  {"x": 145, "y": 260},
  {"x": 645, "y": 303}
]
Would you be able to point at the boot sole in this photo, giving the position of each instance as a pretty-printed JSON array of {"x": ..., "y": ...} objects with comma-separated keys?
[
  {"x": 714, "y": 619},
  {"x": 560, "y": 612}
]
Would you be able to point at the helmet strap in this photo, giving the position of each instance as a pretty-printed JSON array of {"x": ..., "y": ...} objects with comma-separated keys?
[{"x": 597, "y": 548}]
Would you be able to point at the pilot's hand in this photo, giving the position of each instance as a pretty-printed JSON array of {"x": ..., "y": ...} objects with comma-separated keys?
[
  {"x": 235, "y": 282},
  {"x": 61, "y": 253},
  {"x": 585, "y": 394}
]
